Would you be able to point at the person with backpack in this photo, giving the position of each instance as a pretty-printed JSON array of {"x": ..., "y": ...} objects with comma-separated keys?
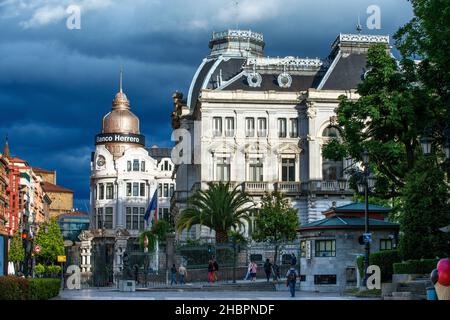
[
  {"x": 268, "y": 269},
  {"x": 291, "y": 279}
]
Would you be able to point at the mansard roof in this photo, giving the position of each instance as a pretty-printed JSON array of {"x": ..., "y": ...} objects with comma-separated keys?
[{"x": 343, "y": 69}]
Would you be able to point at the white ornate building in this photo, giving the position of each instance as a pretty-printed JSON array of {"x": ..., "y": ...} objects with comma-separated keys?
[
  {"x": 261, "y": 122},
  {"x": 124, "y": 177}
]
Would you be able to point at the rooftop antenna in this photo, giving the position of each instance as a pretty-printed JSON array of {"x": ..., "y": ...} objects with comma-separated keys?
[
  {"x": 359, "y": 26},
  {"x": 236, "y": 3}
]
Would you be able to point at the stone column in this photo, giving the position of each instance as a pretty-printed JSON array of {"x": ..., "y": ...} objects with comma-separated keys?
[
  {"x": 120, "y": 246},
  {"x": 86, "y": 238},
  {"x": 170, "y": 253}
]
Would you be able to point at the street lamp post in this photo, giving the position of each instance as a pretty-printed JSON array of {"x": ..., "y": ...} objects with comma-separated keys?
[
  {"x": 365, "y": 157},
  {"x": 365, "y": 182}
]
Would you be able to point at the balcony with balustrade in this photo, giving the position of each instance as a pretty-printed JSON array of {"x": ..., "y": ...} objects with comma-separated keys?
[{"x": 341, "y": 186}]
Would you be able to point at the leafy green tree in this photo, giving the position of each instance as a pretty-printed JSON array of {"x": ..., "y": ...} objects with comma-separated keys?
[
  {"x": 16, "y": 252},
  {"x": 425, "y": 37},
  {"x": 218, "y": 208},
  {"x": 276, "y": 221},
  {"x": 386, "y": 121},
  {"x": 426, "y": 195},
  {"x": 151, "y": 237},
  {"x": 160, "y": 229},
  {"x": 397, "y": 104},
  {"x": 50, "y": 239}
]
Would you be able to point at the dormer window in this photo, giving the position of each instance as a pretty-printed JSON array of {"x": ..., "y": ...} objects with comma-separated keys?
[
  {"x": 143, "y": 166},
  {"x": 128, "y": 165},
  {"x": 135, "y": 165}
]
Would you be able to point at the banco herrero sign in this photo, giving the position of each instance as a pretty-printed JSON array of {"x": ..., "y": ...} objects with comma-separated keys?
[{"x": 103, "y": 138}]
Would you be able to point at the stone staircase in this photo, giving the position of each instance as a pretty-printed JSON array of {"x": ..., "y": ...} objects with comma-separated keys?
[
  {"x": 415, "y": 289},
  {"x": 247, "y": 286}
]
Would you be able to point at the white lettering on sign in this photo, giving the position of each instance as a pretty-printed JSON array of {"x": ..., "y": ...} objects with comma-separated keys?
[{"x": 119, "y": 138}]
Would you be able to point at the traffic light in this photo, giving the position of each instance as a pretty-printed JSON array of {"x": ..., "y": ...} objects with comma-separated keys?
[{"x": 25, "y": 235}]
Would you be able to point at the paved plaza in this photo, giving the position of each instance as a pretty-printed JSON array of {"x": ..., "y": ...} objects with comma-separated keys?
[{"x": 180, "y": 294}]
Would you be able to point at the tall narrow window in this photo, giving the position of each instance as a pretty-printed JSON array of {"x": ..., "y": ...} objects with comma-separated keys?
[
  {"x": 109, "y": 191},
  {"x": 223, "y": 169},
  {"x": 135, "y": 218},
  {"x": 128, "y": 165},
  {"x": 128, "y": 217},
  {"x": 128, "y": 189},
  {"x": 142, "y": 189},
  {"x": 256, "y": 170},
  {"x": 331, "y": 169},
  {"x": 135, "y": 189},
  {"x": 143, "y": 166},
  {"x": 249, "y": 127},
  {"x": 229, "y": 127},
  {"x": 288, "y": 169},
  {"x": 293, "y": 128},
  {"x": 108, "y": 218},
  {"x": 166, "y": 190},
  {"x": 217, "y": 126},
  {"x": 166, "y": 165},
  {"x": 101, "y": 192},
  {"x": 141, "y": 218},
  {"x": 172, "y": 188},
  {"x": 100, "y": 218},
  {"x": 282, "y": 127},
  {"x": 262, "y": 127},
  {"x": 135, "y": 165},
  {"x": 160, "y": 190}
]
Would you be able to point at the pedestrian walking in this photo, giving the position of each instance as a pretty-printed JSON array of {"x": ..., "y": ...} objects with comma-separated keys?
[
  {"x": 216, "y": 269},
  {"x": 253, "y": 267},
  {"x": 183, "y": 274},
  {"x": 173, "y": 273},
  {"x": 268, "y": 269},
  {"x": 291, "y": 279},
  {"x": 210, "y": 271}
]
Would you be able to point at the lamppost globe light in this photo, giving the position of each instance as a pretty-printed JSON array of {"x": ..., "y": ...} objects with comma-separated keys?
[
  {"x": 447, "y": 149},
  {"x": 361, "y": 186},
  {"x": 371, "y": 180},
  {"x": 365, "y": 157},
  {"x": 425, "y": 141}
]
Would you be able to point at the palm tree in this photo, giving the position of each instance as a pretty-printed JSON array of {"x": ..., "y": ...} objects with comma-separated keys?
[{"x": 218, "y": 208}]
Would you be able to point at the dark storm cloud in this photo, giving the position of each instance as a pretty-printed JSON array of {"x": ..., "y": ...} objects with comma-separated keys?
[{"x": 56, "y": 84}]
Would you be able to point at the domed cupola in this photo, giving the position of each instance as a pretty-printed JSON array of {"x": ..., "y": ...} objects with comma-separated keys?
[{"x": 120, "y": 128}]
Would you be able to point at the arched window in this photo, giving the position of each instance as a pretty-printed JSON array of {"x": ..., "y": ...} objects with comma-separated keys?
[{"x": 331, "y": 170}]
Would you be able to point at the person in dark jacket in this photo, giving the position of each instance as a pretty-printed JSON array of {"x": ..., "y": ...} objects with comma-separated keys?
[
  {"x": 173, "y": 273},
  {"x": 268, "y": 269},
  {"x": 291, "y": 279}
]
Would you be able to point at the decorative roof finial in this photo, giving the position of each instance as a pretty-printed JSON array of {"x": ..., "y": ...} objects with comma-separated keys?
[
  {"x": 121, "y": 76},
  {"x": 6, "y": 149},
  {"x": 359, "y": 26},
  {"x": 236, "y": 3}
]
